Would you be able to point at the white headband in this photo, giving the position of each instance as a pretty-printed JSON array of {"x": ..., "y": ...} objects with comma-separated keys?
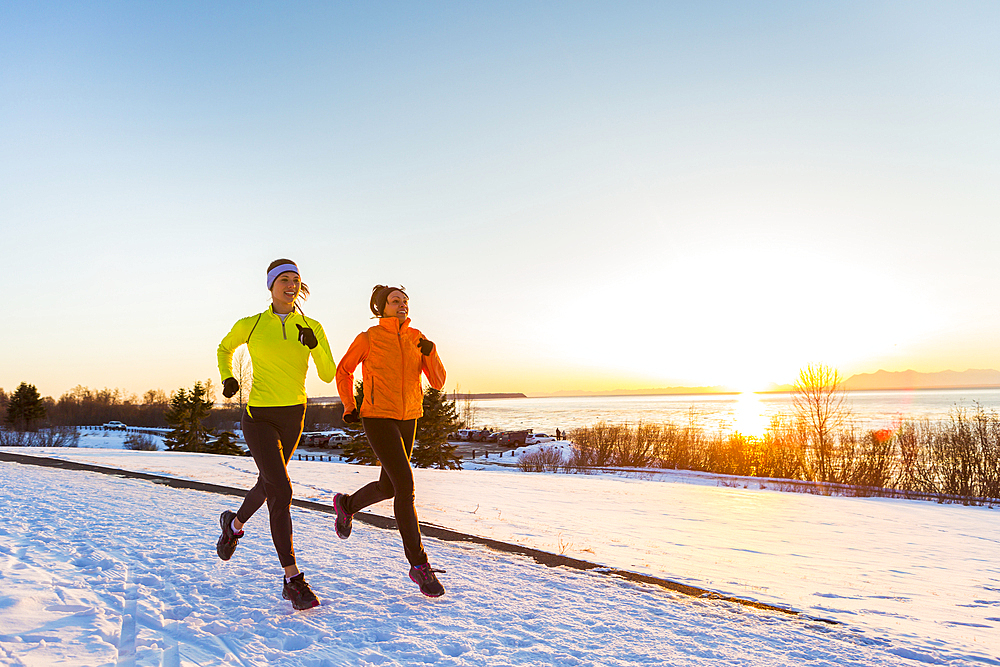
[{"x": 273, "y": 274}]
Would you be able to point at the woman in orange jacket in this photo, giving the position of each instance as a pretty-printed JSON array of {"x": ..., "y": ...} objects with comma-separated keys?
[{"x": 392, "y": 355}]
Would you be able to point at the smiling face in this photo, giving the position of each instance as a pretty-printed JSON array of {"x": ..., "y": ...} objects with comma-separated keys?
[
  {"x": 284, "y": 291},
  {"x": 396, "y": 305}
]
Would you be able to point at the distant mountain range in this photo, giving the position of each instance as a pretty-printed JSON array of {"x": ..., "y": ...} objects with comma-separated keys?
[
  {"x": 860, "y": 382},
  {"x": 915, "y": 380}
]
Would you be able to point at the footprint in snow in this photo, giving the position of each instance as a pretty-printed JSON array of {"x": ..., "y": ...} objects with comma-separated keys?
[{"x": 296, "y": 643}]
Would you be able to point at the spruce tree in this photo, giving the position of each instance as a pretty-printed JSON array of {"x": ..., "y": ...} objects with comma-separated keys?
[
  {"x": 25, "y": 406},
  {"x": 225, "y": 443},
  {"x": 357, "y": 450},
  {"x": 187, "y": 411},
  {"x": 432, "y": 449}
]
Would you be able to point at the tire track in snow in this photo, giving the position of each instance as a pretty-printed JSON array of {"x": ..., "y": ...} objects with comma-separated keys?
[{"x": 126, "y": 637}]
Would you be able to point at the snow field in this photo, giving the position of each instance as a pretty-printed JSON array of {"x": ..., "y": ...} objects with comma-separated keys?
[
  {"x": 100, "y": 570},
  {"x": 924, "y": 575}
]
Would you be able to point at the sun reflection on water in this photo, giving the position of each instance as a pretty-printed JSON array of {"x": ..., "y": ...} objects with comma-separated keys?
[{"x": 749, "y": 417}]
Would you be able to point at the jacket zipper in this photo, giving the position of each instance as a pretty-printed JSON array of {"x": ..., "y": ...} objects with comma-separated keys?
[{"x": 402, "y": 362}]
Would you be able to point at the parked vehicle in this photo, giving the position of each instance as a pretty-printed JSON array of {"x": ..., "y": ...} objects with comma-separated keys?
[
  {"x": 331, "y": 439},
  {"x": 538, "y": 438},
  {"x": 114, "y": 426},
  {"x": 513, "y": 438},
  {"x": 337, "y": 440},
  {"x": 466, "y": 433}
]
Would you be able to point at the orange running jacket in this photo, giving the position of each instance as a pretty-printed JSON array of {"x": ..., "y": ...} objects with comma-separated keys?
[{"x": 391, "y": 364}]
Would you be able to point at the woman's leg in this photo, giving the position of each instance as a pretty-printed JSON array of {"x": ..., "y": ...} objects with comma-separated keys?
[
  {"x": 392, "y": 441},
  {"x": 369, "y": 494},
  {"x": 272, "y": 435},
  {"x": 255, "y": 497}
]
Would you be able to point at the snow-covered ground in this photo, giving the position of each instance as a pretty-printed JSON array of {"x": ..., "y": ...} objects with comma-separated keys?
[{"x": 102, "y": 570}]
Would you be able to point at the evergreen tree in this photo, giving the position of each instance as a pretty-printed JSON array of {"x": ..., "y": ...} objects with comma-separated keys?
[
  {"x": 440, "y": 418},
  {"x": 225, "y": 443},
  {"x": 25, "y": 406},
  {"x": 357, "y": 450},
  {"x": 187, "y": 411},
  {"x": 176, "y": 418}
]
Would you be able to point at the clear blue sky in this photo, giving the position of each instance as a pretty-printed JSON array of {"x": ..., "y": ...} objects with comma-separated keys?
[{"x": 576, "y": 195}]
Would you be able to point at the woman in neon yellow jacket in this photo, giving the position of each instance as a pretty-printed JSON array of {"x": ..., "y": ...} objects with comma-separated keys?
[{"x": 281, "y": 340}]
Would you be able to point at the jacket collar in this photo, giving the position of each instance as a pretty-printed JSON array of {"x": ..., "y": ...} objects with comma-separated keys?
[
  {"x": 393, "y": 324},
  {"x": 270, "y": 311}
]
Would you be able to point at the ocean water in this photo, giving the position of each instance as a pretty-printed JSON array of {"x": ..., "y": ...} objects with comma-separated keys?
[{"x": 748, "y": 413}]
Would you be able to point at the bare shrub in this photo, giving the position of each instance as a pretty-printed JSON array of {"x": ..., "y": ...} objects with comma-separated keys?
[
  {"x": 58, "y": 436},
  {"x": 15, "y": 438},
  {"x": 140, "y": 442},
  {"x": 55, "y": 436},
  {"x": 987, "y": 432},
  {"x": 546, "y": 459},
  {"x": 876, "y": 462},
  {"x": 782, "y": 451},
  {"x": 954, "y": 451},
  {"x": 594, "y": 445},
  {"x": 964, "y": 453},
  {"x": 636, "y": 448},
  {"x": 680, "y": 448},
  {"x": 723, "y": 454},
  {"x": 917, "y": 468}
]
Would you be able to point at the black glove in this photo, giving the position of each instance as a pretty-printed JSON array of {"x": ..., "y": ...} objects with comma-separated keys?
[
  {"x": 426, "y": 347},
  {"x": 351, "y": 417},
  {"x": 307, "y": 337},
  {"x": 230, "y": 387}
]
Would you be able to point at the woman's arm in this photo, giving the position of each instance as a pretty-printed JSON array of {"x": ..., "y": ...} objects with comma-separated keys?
[
  {"x": 432, "y": 367},
  {"x": 356, "y": 353},
  {"x": 237, "y": 336},
  {"x": 321, "y": 354}
]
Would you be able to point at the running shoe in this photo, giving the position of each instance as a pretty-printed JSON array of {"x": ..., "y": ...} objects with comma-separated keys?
[
  {"x": 423, "y": 576},
  {"x": 344, "y": 520},
  {"x": 297, "y": 591},
  {"x": 228, "y": 540}
]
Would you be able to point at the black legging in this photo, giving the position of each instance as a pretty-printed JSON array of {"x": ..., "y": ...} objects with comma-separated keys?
[
  {"x": 272, "y": 434},
  {"x": 392, "y": 442}
]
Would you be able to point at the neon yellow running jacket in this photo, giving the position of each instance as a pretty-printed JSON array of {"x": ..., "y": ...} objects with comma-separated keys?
[{"x": 279, "y": 360}]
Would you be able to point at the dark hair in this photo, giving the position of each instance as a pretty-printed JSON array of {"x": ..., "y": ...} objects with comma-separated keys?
[
  {"x": 303, "y": 288},
  {"x": 380, "y": 294}
]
